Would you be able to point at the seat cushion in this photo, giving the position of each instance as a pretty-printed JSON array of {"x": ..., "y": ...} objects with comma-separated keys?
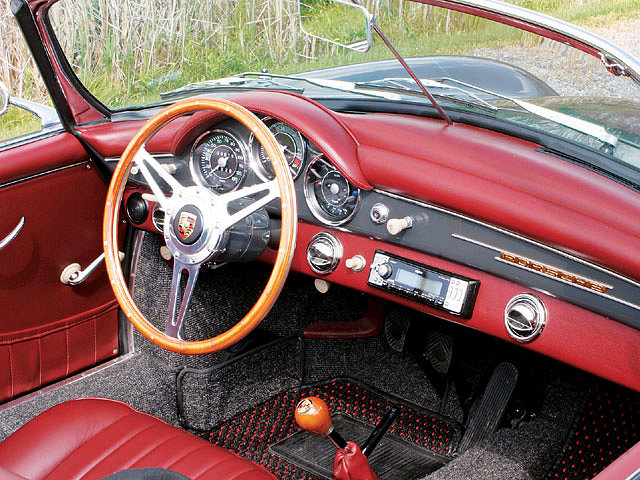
[{"x": 92, "y": 438}]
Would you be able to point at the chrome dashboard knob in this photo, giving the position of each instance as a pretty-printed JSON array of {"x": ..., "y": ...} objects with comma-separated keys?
[
  {"x": 324, "y": 253},
  {"x": 379, "y": 213},
  {"x": 524, "y": 317}
]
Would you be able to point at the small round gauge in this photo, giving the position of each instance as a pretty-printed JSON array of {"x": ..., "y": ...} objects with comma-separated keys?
[
  {"x": 218, "y": 161},
  {"x": 330, "y": 196},
  {"x": 291, "y": 143}
]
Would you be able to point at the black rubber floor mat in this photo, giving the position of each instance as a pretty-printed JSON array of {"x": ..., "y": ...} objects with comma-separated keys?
[
  {"x": 608, "y": 426},
  {"x": 253, "y": 432},
  {"x": 392, "y": 459}
]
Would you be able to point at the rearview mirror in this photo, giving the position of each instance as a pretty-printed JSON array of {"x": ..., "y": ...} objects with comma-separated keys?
[
  {"x": 336, "y": 21},
  {"x": 4, "y": 98}
]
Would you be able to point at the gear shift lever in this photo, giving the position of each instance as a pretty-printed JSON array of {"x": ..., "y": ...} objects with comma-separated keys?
[{"x": 312, "y": 414}]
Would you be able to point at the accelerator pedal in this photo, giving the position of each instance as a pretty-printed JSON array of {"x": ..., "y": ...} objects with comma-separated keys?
[{"x": 488, "y": 414}]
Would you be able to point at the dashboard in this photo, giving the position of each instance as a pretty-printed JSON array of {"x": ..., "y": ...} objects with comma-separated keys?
[{"x": 438, "y": 219}]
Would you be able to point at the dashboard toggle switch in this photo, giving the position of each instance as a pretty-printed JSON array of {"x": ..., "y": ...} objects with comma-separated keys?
[
  {"x": 397, "y": 225},
  {"x": 356, "y": 263}
]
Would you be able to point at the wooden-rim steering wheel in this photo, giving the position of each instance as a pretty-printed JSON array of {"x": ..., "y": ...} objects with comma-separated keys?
[{"x": 184, "y": 209}]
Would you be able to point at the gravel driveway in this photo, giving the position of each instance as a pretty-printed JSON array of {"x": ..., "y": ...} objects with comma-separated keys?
[{"x": 569, "y": 71}]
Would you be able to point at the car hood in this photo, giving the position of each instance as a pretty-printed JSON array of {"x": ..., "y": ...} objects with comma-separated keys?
[{"x": 494, "y": 75}]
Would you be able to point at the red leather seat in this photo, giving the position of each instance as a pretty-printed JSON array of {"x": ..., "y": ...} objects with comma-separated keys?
[{"x": 91, "y": 438}]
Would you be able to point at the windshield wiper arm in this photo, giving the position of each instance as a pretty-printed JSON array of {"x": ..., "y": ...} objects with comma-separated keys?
[
  {"x": 577, "y": 124},
  {"x": 395, "y": 84},
  {"x": 237, "y": 82}
]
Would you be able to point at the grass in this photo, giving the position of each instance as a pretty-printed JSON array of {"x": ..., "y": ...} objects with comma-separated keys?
[{"x": 128, "y": 51}]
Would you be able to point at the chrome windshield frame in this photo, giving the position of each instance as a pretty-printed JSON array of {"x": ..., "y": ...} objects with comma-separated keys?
[{"x": 614, "y": 58}]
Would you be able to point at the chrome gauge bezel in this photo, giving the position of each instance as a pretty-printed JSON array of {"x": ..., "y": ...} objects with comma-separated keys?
[
  {"x": 254, "y": 145},
  {"x": 312, "y": 201},
  {"x": 194, "y": 166}
]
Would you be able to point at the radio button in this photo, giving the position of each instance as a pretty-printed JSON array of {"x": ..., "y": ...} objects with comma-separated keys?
[{"x": 384, "y": 270}]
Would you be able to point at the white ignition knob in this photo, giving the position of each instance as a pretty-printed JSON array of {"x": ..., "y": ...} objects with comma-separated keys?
[
  {"x": 397, "y": 225},
  {"x": 356, "y": 263}
]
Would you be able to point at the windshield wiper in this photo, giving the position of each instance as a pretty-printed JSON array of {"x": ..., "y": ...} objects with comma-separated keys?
[
  {"x": 408, "y": 87},
  {"x": 234, "y": 83},
  {"x": 577, "y": 124},
  {"x": 270, "y": 81}
]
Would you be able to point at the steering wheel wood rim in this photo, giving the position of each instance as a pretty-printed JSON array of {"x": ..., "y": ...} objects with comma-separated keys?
[{"x": 287, "y": 236}]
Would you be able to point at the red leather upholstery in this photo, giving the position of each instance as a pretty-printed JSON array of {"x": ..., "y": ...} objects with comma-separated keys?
[{"x": 91, "y": 438}]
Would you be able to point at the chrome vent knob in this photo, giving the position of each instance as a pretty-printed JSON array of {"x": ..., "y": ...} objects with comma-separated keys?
[
  {"x": 324, "y": 253},
  {"x": 524, "y": 317}
]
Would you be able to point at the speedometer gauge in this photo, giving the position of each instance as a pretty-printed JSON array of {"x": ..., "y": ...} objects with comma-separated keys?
[
  {"x": 218, "y": 160},
  {"x": 330, "y": 196},
  {"x": 291, "y": 143}
]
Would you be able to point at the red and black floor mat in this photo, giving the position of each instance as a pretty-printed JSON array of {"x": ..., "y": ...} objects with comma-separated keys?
[
  {"x": 267, "y": 434},
  {"x": 608, "y": 426}
]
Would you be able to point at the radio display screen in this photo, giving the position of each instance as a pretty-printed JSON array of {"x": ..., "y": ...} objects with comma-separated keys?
[{"x": 414, "y": 281}]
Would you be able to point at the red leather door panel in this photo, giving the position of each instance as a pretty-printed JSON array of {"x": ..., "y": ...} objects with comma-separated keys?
[{"x": 49, "y": 330}]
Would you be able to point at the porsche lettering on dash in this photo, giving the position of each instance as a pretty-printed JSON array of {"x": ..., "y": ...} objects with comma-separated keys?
[{"x": 553, "y": 272}]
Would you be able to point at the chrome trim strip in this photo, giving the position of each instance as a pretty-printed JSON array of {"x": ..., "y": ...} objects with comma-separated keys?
[
  {"x": 631, "y": 65},
  {"x": 47, "y": 172},
  {"x": 513, "y": 235},
  {"x": 66, "y": 381},
  {"x": 21, "y": 140},
  {"x": 500, "y": 250},
  {"x": 13, "y": 234},
  {"x": 157, "y": 156}
]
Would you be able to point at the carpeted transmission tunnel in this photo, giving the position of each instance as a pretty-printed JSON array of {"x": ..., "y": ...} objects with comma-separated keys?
[{"x": 418, "y": 442}]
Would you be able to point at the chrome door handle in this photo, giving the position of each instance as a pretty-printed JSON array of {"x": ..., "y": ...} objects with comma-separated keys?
[
  {"x": 74, "y": 275},
  {"x": 14, "y": 233}
]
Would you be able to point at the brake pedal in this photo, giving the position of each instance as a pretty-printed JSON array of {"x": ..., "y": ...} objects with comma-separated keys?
[{"x": 493, "y": 404}]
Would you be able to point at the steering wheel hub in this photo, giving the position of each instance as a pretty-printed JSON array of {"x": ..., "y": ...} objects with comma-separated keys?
[
  {"x": 187, "y": 224},
  {"x": 194, "y": 235}
]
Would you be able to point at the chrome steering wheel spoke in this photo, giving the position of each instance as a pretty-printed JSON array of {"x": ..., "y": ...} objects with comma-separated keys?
[
  {"x": 175, "y": 322},
  {"x": 145, "y": 161},
  {"x": 272, "y": 192}
]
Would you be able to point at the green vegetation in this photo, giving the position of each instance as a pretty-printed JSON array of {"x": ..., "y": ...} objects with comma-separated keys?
[
  {"x": 17, "y": 122},
  {"x": 129, "y": 51}
]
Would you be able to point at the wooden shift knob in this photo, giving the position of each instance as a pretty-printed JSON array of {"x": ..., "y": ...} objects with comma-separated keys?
[{"x": 312, "y": 414}]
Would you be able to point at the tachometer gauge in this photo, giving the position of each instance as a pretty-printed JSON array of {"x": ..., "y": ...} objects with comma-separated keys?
[
  {"x": 291, "y": 143},
  {"x": 330, "y": 197},
  {"x": 218, "y": 160}
]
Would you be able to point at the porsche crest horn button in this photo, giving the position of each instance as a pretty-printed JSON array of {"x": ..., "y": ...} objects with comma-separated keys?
[{"x": 187, "y": 225}]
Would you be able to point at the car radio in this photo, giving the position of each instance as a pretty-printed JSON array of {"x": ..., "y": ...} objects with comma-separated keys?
[{"x": 429, "y": 285}]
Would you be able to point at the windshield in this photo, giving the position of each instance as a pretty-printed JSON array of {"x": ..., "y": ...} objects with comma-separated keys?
[{"x": 131, "y": 53}]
